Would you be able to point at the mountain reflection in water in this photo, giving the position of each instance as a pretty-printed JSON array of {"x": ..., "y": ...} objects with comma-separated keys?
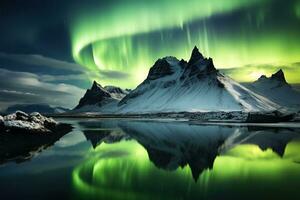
[
  {"x": 148, "y": 160},
  {"x": 21, "y": 147}
]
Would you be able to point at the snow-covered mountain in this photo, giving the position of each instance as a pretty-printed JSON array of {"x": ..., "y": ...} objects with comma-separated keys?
[
  {"x": 100, "y": 99},
  {"x": 278, "y": 90},
  {"x": 196, "y": 85}
]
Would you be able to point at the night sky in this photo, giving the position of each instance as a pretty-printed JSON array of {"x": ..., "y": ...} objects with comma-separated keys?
[{"x": 51, "y": 50}]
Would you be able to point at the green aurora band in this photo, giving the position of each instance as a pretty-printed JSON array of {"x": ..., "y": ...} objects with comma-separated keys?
[{"x": 127, "y": 36}]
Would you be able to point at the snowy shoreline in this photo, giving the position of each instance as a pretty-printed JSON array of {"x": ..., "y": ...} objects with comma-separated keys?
[{"x": 213, "y": 117}]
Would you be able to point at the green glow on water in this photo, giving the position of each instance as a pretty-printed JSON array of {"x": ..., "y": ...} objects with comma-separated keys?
[{"x": 124, "y": 171}]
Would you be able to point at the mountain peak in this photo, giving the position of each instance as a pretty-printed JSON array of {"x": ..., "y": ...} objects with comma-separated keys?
[
  {"x": 279, "y": 76},
  {"x": 196, "y": 55},
  {"x": 94, "y": 95},
  {"x": 198, "y": 65},
  {"x": 262, "y": 78},
  {"x": 96, "y": 86}
]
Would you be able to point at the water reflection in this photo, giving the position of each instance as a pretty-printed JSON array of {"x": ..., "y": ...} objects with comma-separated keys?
[
  {"x": 20, "y": 147},
  {"x": 102, "y": 132},
  {"x": 184, "y": 161}
]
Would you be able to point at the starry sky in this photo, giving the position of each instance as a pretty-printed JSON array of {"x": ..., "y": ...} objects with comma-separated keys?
[{"x": 51, "y": 50}]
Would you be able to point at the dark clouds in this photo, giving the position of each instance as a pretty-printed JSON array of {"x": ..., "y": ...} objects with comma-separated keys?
[
  {"x": 35, "y": 27},
  {"x": 39, "y": 26},
  {"x": 23, "y": 87},
  {"x": 38, "y": 64},
  {"x": 53, "y": 70},
  {"x": 29, "y": 78},
  {"x": 48, "y": 69}
]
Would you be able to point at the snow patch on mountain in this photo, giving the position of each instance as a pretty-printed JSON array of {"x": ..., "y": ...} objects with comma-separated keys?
[{"x": 116, "y": 92}]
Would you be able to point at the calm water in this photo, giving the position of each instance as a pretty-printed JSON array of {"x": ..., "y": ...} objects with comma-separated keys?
[{"x": 127, "y": 159}]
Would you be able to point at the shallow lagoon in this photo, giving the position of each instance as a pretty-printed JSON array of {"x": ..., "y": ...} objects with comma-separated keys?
[{"x": 136, "y": 159}]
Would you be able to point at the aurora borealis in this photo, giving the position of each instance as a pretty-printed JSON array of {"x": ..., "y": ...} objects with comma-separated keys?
[
  {"x": 128, "y": 36},
  {"x": 53, "y": 49}
]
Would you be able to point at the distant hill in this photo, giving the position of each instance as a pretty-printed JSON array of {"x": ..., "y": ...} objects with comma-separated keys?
[
  {"x": 277, "y": 89},
  {"x": 41, "y": 108},
  {"x": 100, "y": 99}
]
